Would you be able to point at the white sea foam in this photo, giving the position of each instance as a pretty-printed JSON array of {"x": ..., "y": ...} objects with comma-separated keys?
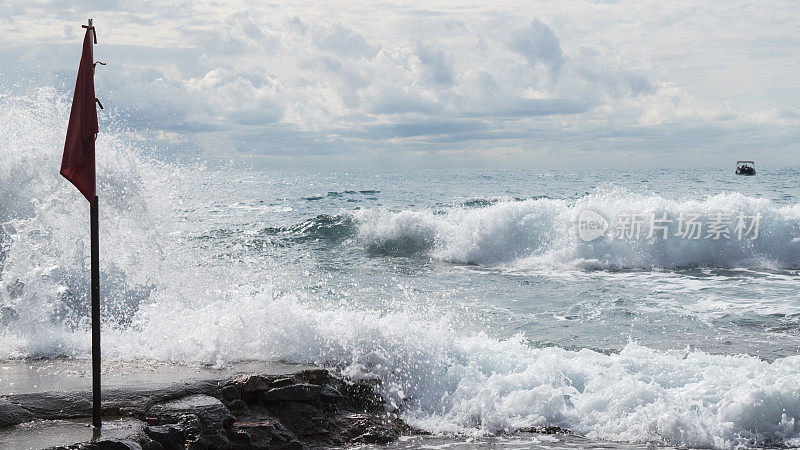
[
  {"x": 450, "y": 382},
  {"x": 542, "y": 233},
  {"x": 165, "y": 302},
  {"x": 446, "y": 381}
]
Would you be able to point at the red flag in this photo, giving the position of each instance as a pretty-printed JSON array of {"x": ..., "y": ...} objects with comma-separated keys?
[{"x": 77, "y": 166}]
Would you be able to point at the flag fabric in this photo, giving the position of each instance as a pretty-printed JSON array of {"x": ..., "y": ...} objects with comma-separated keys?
[{"x": 77, "y": 165}]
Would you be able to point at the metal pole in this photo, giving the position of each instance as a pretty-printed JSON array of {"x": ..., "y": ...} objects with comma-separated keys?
[
  {"x": 96, "y": 421},
  {"x": 95, "y": 233}
]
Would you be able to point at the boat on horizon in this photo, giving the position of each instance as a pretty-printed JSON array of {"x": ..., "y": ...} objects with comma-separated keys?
[{"x": 745, "y": 168}]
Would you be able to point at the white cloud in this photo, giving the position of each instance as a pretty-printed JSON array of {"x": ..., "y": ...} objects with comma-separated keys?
[{"x": 579, "y": 78}]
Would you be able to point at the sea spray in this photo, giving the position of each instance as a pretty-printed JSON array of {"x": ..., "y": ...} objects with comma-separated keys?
[{"x": 45, "y": 254}]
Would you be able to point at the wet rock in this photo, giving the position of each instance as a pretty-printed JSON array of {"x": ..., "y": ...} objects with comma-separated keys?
[
  {"x": 362, "y": 396},
  {"x": 211, "y": 412},
  {"x": 250, "y": 387},
  {"x": 268, "y": 433},
  {"x": 239, "y": 440},
  {"x": 118, "y": 444},
  {"x": 192, "y": 429},
  {"x": 202, "y": 417},
  {"x": 230, "y": 393},
  {"x": 311, "y": 408},
  {"x": 105, "y": 444},
  {"x": 303, "y": 392},
  {"x": 55, "y": 405},
  {"x": 330, "y": 394},
  {"x": 314, "y": 376},
  {"x": 238, "y": 408},
  {"x": 257, "y": 383},
  {"x": 200, "y": 434},
  {"x": 372, "y": 428},
  {"x": 169, "y": 436},
  {"x": 550, "y": 429},
  {"x": 302, "y": 418},
  {"x": 11, "y": 414},
  {"x": 283, "y": 381}
]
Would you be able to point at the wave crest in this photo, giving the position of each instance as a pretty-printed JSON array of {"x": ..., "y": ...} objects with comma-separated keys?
[{"x": 541, "y": 233}]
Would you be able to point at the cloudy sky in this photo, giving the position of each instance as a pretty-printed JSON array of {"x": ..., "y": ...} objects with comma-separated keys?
[{"x": 430, "y": 83}]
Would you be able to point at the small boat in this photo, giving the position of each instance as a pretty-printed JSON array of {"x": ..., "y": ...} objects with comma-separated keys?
[{"x": 745, "y": 168}]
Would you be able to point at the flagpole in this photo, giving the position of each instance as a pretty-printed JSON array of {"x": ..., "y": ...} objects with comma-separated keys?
[
  {"x": 95, "y": 237},
  {"x": 95, "y": 232}
]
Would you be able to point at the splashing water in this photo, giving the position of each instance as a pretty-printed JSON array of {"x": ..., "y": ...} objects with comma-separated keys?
[{"x": 199, "y": 268}]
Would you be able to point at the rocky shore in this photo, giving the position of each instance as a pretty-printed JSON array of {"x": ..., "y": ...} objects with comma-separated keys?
[
  {"x": 309, "y": 408},
  {"x": 152, "y": 406}
]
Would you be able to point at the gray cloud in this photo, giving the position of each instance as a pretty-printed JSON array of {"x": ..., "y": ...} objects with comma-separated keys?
[
  {"x": 418, "y": 129},
  {"x": 438, "y": 69},
  {"x": 285, "y": 79},
  {"x": 538, "y": 44},
  {"x": 343, "y": 41}
]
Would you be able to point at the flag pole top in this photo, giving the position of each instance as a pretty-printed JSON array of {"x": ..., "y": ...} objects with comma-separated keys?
[{"x": 91, "y": 27}]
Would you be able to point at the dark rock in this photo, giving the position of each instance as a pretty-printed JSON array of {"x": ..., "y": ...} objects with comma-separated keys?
[
  {"x": 372, "y": 428},
  {"x": 550, "y": 429},
  {"x": 55, "y": 405},
  {"x": 230, "y": 393},
  {"x": 239, "y": 439},
  {"x": 302, "y": 418},
  {"x": 118, "y": 444},
  {"x": 250, "y": 387},
  {"x": 281, "y": 382},
  {"x": 331, "y": 394},
  {"x": 305, "y": 392},
  {"x": 202, "y": 417},
  {"x": 314, "y": 376},
  {"x": 128, "y": 402},
  {"x": 238, "y": 408},
  {"x": 169, "y": 436},
  {"x": 108, "y": 444},
  {"x": 11, "y": 414},
  {"x": 310, "y": 408},
  {"x": 268, "y": 433},
  {"x": 374, "y": 437},
  {"x": 211, "y": 412},
  {"x": 192, "y": 429},
  {"x": 202, "y": 432},
  {"x": 145, "y": 441},
  {"x": 137, "y": 440}
]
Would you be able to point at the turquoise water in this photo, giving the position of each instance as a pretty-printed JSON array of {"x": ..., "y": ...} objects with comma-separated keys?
[{"x": 470, "y": 294}]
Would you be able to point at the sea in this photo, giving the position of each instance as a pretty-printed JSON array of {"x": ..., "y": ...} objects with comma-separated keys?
[{"x": 656, "y": 306}]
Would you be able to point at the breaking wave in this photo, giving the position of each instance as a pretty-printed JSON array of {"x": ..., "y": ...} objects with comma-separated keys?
[
  {"x": 166, "y": 300},
  {"x": 446, "y": 381},
  {"x": 538, "y": 233}
]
